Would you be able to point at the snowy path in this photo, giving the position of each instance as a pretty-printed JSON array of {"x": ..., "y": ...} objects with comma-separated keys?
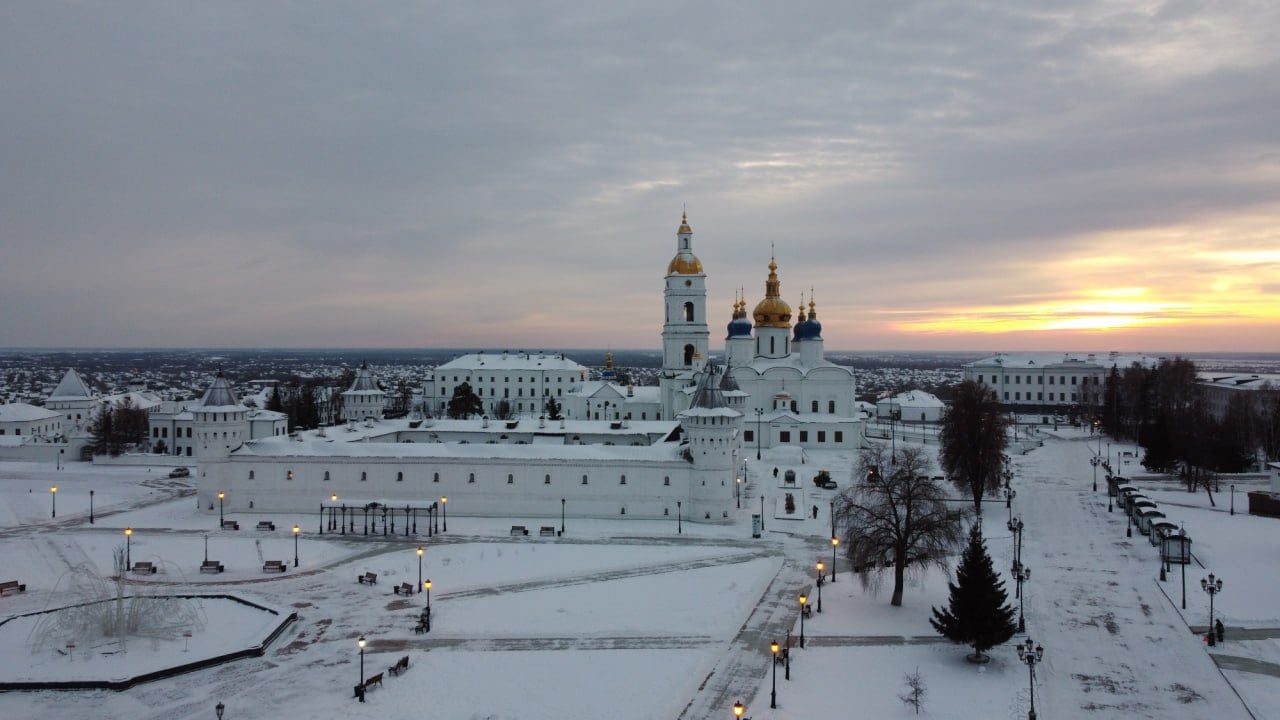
[{"x": 1114, "y": 638}]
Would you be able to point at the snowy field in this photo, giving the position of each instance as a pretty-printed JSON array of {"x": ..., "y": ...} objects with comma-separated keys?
[{"x": 630, "y": 620}]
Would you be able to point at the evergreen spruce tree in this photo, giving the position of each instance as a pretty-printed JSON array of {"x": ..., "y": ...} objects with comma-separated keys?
[{"x": 977, "y": 613}]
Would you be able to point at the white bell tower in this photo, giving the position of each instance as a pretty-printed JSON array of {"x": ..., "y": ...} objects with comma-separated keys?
[{"x": 685, "y": 337}]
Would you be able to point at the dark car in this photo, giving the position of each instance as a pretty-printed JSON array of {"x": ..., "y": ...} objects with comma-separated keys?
[
  {"x": 179, "y": 472},
  {"x": 824, "y": 481}
]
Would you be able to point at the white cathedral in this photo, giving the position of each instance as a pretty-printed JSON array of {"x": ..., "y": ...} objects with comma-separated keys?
[{"x": 618, "y": 451}]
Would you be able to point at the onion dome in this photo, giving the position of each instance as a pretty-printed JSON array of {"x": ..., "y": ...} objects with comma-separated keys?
[
  {"x": 773, "y": 311},
  {"x": 815, "y": 328},
  {"x": 685, "y": 262},
  {"x": 739, "y": 326},
  {"x": 800, "y": 321}
]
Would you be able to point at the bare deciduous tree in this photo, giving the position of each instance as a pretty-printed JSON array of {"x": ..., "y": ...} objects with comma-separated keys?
[{"x": 896, "y": 517}]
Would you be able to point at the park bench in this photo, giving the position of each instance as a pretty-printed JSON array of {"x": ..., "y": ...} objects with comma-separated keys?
[
  {"x": 274, "y": 566},
  {"x": 519, "y": 530},
  {"x": 401, "y": 665},
  {"x": 403, "y": 589},
  {"x": 367, "y": 579},
  {"x": 266, "y": 525},
  {"x": 144, "y": 568},
  {"x": 230, "y": 524},
  {"x": 211, "y": 566},
  {"x": 807, "y": 610},
  {"x": 547, "y": 531},
  {"x": 781, "y": 657},
  {"x": 362, "y": 688},
  {"x": 9, "y": 586}
]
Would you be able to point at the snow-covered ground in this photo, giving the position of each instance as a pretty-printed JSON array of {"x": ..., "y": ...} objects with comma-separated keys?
[{"x": 630, "y": 620}]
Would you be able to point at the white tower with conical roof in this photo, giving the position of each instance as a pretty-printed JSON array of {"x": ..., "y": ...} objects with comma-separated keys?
[
  {"x": 219, "y": 422},
  {"x": 685, "y": 338},
  {"x": 365, "y": 399}
]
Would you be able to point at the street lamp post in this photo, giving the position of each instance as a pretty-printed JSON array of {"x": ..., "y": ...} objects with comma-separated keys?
[
  {"x": 773, "y": 695},
  {"x": 679, "y": 516},
  {"x": 835, "y": 542},
  {"x": 419, "y": 568},
  {"x": 206, "y": 548},
  {"x": 361, "y": 642},
  {"x": 737, "y": 493},
  {"x": 296, "y": 530},
  {"x": 1182, "y": 553},
  {"x": 1017, "y": 526},
  {"x": 53, "y": 493},
  {"x": 426, "y": 584},
  {"x": 562, "y": 516},
  {"x": 1094, "y": 462},
  {"x": 333, "y": 498},
  {"x": 91, "y": 506},
  {"x": 1021, "y": 576},
  {"x": 1233, "y": 498},
  {"x": 804, "y": 600},
  {"x": 759, "y": 414},
  {"x": 762, "y": 511},
  {"x": 738, "y": 709},
  {"x": 820, "y": 569},
  {"x": 219, "y": 709},
  {"x": 1031, "y": 654},
  {"x": 1213, "y": 587},
  {"x": 1009, "y": 495},
  {"x": 444, "y": 514},
  {"x": 221, "y": 495},
  {"x": 128, "y": 548}
]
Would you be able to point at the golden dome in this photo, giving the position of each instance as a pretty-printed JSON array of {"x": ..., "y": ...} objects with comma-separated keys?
[
  {"x": 685, "y": 262},
  {"x": 772, "y": 311},
  {"x": 685, "y": 265}
]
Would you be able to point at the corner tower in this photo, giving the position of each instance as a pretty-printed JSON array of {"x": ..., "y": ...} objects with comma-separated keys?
[{"x": 685, "y": 337}]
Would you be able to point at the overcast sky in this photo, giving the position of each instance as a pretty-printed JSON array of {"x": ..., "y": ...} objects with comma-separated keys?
[{"x": 1066, "y": 175}]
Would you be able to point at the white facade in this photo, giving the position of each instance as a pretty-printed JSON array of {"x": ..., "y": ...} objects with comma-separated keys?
[
  {"x": 1219, "y": 388},
  {"x": 23, "y": 420},
  {"x": 525, "y": 380},
  {"x": 1048, "y": 381}
]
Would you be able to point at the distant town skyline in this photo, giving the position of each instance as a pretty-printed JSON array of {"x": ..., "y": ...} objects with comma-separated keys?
[{"x": 1083, "y": 176}]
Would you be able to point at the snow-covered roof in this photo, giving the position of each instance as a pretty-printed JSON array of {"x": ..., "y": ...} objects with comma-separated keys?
[
  {"x": 313, "y": 447},
  {"x": 1033, "y": 361},
  {"x": 220, "y": 397},
  {"x": 71, "y": 388},
  {"x": 364, "y": 383},
  {"x": 913, "y": 399},
  {"x": 1238, "y": 381},
  {"x": 511, "y": 361},
  {"x": 137, "y": 400},
  {"x": 23, "y": 412}
]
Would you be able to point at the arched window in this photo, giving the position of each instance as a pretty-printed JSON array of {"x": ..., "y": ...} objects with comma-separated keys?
[
  {"x": 624, "y": 511},
  {"x": 688, "y": 312},
  {"x": 511, "y": 479},
  {"x": 831, "y": 406},
  {"x": 688, "y": 354},
  {"x": 435, "y": 477},
  {"x": 666, "y": 480},
  {"x": 546, "y": 480},
  {"x": 364, "y": 476},
  {"x": 289, "y": 475},
  {"x": 814, "y": 406},
  {"x": 326, "y": 476},
  {"x": 584, "y": 479},
  {"x": 623, "y": 481},
  {"x": 400, "y": 477},
  {"x": 471, "y": 477},
  {"x": 250, "y": 474}
]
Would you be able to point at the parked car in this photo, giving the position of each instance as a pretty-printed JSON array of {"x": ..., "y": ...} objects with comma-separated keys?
[{"x": 180, "y": 472}]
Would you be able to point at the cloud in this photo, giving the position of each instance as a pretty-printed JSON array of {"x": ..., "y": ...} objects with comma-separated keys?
[{"x": 444, "y": 174}]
